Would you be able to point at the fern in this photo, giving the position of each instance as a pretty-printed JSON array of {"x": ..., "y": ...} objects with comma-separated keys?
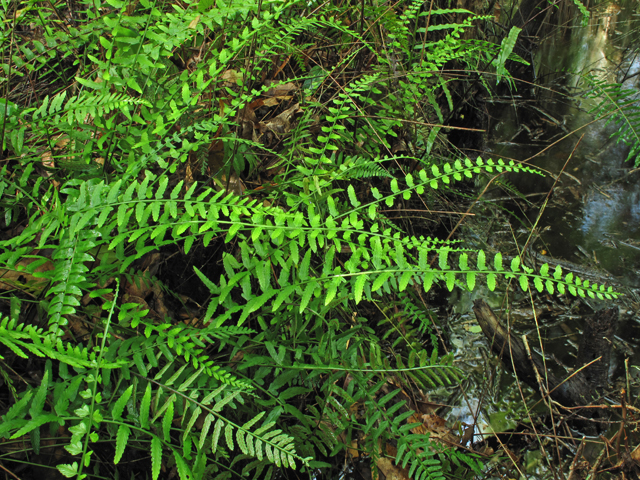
[
  {"x": 282, "y": 355},
  {"x": 387, "y": 418},
  {"x": 619, "y": 106},
  {"x": 167, "y": 342},
  {"x": 584, "y": 11},
  {"x": 359, "y": 167},
  {"x": 379, "y": 260},
  {"x": 22, "y": 339},
  {"x": 505, "y": 51},
  {"x": 273, "y": 230},
  {"x": 78, "y": 107}
]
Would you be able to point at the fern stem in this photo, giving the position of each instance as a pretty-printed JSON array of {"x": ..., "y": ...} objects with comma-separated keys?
[{"x": 96, "y": 373}]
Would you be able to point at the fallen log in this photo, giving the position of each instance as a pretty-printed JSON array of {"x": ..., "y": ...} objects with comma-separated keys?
[{"x": 580, "y": 389}]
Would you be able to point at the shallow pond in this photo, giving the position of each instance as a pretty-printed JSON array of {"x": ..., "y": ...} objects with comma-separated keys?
[
  {"x": 593, "y": 215},
  {"x": 585, "y": 211}
]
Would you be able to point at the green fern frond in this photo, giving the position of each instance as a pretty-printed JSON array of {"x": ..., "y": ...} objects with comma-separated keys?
[
  {"x": 222, "y": 400},
  {"x": 359, "y": 167},
  {"x": 584, "y": 11},
  {"x": 396, "y": 260},
  {"x": 618, "y": 105},
  {"x": 418, "y": 453},
  {"x": 22, "y": 339},
  {"x": 511, "y": 188},
  {"x": 183, "y": 341},
  {"x": 68, "y": 277},
  {"x": 264, "y": 442},
  {"x": 79, "y": 106},
  {"x": 505, "y": 52}
]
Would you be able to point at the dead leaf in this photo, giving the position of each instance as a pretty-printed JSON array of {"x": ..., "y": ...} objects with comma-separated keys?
[
  {"x": 391, "y": 471},
  {"x": 135, "y": 299},
  {"x": 47, "y": 157},
  {"x": 138, "y": 288},
  {"x": 235, "y": 184},
  {"x": 353, "y": 449},
  {"x": 62, "y": 142},
  {"x": 399, "y": 146},
  {"x": 22, "y": 280},
  {"x": 194, "y": 23},
  {"x": 436, "y": 426},
  {"x": 259, "y": 102},
  {"x": 188, "y": 174},
  {"x": 390, "y": 450},
  {"x": 232, "y": 77},
  {"x": 433, "y": 423},
  {"x": 282, "y": 123},
  {"x": 635, "y": 455},
  {"x": 248, "y": 113},
  {"x": 78, "y": 326},
  {"x": 158, "y": 301},
  {"x": 281, "y": 90},
  {"x": 48, "y": 162},
  {"x": 273, "y": 101}
]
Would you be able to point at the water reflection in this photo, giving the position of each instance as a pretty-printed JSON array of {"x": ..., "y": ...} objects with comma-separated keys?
[
  {"x": 606, "y": 211},
  {"x": 602, "y": 192}
]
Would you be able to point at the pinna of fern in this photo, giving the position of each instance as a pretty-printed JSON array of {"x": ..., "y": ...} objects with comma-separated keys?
[{"x": 618, "y": 105}]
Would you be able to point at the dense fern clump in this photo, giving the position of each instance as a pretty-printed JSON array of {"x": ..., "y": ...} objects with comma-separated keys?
[{"x": 150, "y": 148}]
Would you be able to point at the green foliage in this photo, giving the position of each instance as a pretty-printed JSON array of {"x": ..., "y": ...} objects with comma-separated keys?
[
  {"x": 507, "y": 47},
  {"x": 618, "y": 105},
  {"x": 586, "y": 14},
  {"x": 283, "y": 358}
]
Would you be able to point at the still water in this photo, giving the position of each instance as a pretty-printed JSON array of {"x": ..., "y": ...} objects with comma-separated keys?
[{"x": 592, "y": 216}]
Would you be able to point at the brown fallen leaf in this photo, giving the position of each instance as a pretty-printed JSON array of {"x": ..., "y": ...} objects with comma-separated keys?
[
  {"x": 436, "y": 426},
  {"x": 143, "y": 305},
  {"x": 194, "y": 22},
  {"x": 353, "y": 449},
  {"x": 18, "y": 278},
  {"x": 635, "y": 455},
  {"x": 282, "y": 123},
  {"x": 78, "y": 326},
  {"x": 274, "y": 101},
  {"x": 235, "y": 184},
  {"x": 232, "y": 77},
  {"x": 281, "y": 90},
  {"x": 391, "y": 471}
]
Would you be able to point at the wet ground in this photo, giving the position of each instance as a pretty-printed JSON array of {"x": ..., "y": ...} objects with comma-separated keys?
[
  {"x": 585, "y": 211},
  {"x": 594, "y": 211}
]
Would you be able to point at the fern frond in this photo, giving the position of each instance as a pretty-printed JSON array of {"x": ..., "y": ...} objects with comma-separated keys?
[
  {"x": 511, "y": 188},
  {"x": 418, "y": 452},
  {"x": 80, "y": 106},
  {"x": 22, "y": 339},
  {"x": 183, "y": 341},
  {"x": 276, "y": 236},
  {"x": 68, "y": 277},
  {"x": 584, "y": 11},
  {"x": 359, "y": 167},
  {"x": 618, "y": 105},
  {"x": 505, "y": 51}
]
